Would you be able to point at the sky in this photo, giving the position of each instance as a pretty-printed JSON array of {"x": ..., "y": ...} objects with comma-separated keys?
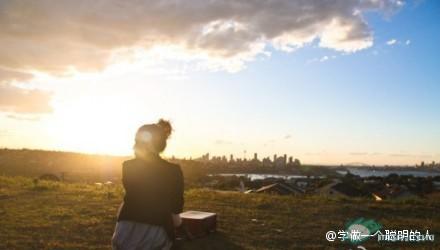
[{"x": 327, "y": 82}]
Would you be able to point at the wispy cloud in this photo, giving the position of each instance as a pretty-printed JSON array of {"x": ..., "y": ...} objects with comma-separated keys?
[
  {"x": 4, "y": 132},
  {"x": 321, "y": 59},
  {"x": 8, "y": 76},
  {"x": 359, "y": 153},
  {"x": 400, "y": 155},
  {"x": 222, "y": 142},
  {"x": 21, "y": 117},
  {"x": 20, "y": 100},
  {"x": 324, "y": 58},
  {"x": 391, "y": 42}
]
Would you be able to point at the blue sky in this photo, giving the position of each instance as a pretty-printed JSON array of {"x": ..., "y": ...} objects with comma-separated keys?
[
  {"x": 378, "y": 104},
  {"x": 382, "y": 100}
]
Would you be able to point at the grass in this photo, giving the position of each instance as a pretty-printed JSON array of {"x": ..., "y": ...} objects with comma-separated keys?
[{"x": 52, "y": 215}]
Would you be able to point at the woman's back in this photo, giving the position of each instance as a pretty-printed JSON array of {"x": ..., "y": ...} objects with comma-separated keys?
[{"x": 153, "y": 191}]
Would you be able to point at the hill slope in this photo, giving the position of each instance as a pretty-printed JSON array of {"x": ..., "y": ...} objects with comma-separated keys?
[{"x": 52, "y": 215}]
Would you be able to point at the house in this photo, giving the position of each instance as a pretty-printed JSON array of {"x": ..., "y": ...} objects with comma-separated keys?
[
  {"x": 340, "y": 189},
  {"x": 280, "y": 188},
  {"x": 300, "y": 182},
  {"x": 395, "y": 192}
]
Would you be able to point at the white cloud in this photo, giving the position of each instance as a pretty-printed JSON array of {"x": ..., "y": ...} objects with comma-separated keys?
[
  {"x": 324, "y": 58},
  {"x": 321, "y": 59},
  {"x": 407, "y": 42},
  {"x": 58, "y": 36},
  {"x": 391, "y": 42}
]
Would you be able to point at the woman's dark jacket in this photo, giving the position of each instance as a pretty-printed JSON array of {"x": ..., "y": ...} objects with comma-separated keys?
[{"x": 153, "y": 191}]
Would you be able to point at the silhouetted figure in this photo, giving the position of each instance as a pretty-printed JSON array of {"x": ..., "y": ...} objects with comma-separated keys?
[{"x": 153, "y": 194}]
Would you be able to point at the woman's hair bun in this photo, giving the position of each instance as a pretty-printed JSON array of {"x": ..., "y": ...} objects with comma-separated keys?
[{"x": 165, "y": 126}]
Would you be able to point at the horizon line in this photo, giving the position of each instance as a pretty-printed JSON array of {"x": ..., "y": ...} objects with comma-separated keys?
[{"x": 349, "y": 164}]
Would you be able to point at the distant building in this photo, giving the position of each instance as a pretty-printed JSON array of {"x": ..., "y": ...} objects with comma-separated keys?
[
  {"x": 205, "y": 157},
  {"x": 223, "y": 159},
  {"x": 267, "y": 162},
  {"x": 280, "y": 162}
]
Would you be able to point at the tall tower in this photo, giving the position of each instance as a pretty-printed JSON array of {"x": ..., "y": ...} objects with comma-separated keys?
[{"x": 255, "y": 157}]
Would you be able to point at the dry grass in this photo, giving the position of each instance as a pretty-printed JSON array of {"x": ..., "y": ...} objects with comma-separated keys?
[{"x": 82, "y": 216}]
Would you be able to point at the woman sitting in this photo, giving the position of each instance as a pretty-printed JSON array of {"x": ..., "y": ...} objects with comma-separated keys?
[{"x": 153, "y": 194}]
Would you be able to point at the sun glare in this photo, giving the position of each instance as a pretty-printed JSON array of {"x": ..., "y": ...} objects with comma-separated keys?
[{"x": 94, "y": 125}]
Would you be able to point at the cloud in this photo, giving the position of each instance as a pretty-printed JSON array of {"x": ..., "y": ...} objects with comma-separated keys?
[
  {"x": 358, "y": 153},
  {"x": 29, "y": 118},
  {"x": 287, "y": 137},
  {"x": 60, "y": 36},
  {"x": 410, "y": 155},
  {"x": 222, "y": 142},
  {"x": 20, "y": 100},
  {"x": 7, "y": 76},
  {"x": 4, "y": 132},
  {"x": 321, "y": 59},
  {"x": 400, "y": 155},
  {"x": 391, "y": 42},
  {"x": 324, "y": 58}
]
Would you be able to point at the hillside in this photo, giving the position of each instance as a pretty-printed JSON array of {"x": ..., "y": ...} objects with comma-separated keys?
[{"x": 52, "y": 215}]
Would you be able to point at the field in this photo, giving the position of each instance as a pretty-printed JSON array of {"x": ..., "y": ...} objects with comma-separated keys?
[{"x": 51, "y": 215}]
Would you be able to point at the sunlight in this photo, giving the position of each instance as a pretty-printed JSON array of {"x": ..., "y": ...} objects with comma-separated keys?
[{"x": 95, "y": 125}]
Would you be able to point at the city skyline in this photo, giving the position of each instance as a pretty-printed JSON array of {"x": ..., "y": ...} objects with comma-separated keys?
[
  {"x": 330, "y": 82},
  {"x": 282, "y": 160}
]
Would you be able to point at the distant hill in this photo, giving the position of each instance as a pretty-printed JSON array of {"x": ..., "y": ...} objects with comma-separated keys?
[
  {"x": 356, "y": 164},
  {"x": 75, "y": 166}
]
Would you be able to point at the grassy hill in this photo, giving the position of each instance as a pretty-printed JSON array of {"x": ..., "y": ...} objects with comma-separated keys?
[{"x": 51, "y": 215}]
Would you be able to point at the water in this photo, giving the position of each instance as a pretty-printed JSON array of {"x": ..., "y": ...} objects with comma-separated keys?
[
  {"x": 355, "y": 171},
  {"x": 264, "y": 176},
  {"x": 382, "y": 173}
]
